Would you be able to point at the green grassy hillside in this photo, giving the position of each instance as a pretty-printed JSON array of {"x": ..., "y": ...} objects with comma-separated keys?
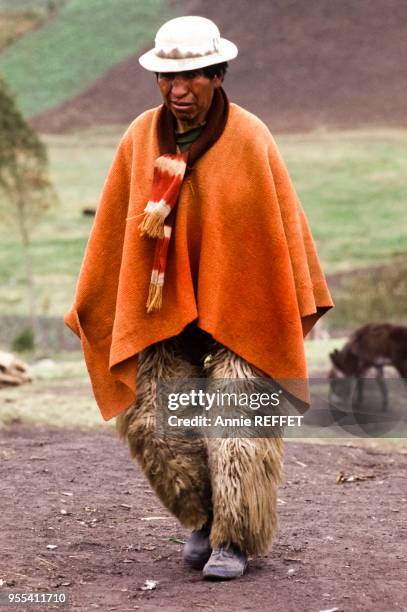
[
  {"x": 48, "y": 65},
  {"x": 352, "y": 185}
]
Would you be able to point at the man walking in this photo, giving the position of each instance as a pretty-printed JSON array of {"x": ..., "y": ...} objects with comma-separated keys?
[{"x": 200, "y": 264}]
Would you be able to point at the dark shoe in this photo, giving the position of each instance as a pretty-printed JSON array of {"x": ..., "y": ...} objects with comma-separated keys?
[
  {"x": 225, "y": 563},
  {"x": 198, "y": 549}
]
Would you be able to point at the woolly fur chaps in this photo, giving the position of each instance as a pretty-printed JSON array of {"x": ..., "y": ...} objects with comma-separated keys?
[{"x": 236, "y": 479}]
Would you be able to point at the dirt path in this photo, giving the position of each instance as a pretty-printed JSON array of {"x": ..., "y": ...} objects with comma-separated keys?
[{"x": 346, "y": 544}]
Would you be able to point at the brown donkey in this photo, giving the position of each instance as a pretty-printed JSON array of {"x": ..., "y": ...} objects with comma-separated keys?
[{"x": 372, "y": 346}]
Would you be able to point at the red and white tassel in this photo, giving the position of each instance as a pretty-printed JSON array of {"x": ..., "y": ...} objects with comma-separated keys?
[
  {"x": 155, "y": 293},
  {"x": 169, "y": 172}
]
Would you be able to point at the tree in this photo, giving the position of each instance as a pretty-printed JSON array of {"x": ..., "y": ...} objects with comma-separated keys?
[{"x": 26, "y": 191}]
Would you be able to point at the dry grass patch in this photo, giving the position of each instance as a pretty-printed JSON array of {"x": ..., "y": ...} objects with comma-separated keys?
[{"x": 12, "y": 26}]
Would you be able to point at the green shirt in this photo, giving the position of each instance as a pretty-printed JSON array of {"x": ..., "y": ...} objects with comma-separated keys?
[{"x": 185, "y": 140}]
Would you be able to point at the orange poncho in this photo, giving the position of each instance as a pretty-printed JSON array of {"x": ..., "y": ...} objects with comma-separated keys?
[{"x": 242, "y": 261}]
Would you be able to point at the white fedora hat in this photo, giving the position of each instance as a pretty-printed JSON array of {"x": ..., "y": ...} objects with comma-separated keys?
[{"x": 187, "y": 43}]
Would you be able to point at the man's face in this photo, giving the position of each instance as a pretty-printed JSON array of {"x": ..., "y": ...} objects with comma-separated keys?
[{"x": 188, "y": 95}]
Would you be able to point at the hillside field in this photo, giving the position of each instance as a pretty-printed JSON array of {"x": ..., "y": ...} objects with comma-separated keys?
[
  {"x": 301, "y": 65},
  {"x": 75, "y": 47}
]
